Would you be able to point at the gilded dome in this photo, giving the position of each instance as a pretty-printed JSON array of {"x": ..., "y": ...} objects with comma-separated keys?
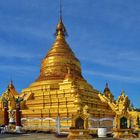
[{"x": 59, "y": 58}]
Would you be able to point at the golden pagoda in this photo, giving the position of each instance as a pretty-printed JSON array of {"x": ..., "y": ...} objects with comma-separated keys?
[{"x": 60, "y": 91}]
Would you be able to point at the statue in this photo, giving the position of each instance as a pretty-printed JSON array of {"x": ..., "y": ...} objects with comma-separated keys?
[
  {"x": 12, "y": 116},
  {"x": 85, "y": 110}
]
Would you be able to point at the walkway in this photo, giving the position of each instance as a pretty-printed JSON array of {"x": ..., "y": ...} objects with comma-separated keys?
[{"x": 40, "y": 136}]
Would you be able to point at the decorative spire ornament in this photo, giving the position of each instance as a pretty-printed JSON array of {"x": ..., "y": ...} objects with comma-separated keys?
[
  {"x": 60, "y": 9},
  {"x": 60, "y": 29}
]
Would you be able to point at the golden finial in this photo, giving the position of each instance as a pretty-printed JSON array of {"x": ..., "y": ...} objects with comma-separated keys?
[
  {"x": 60, "y": 29},
  {"x": 106, "y": 84},
  {"x": 106, "y": 88},
  {"x": 123, "y": 92},
  {"x": 11, "y": 84},
  {"x": 60, "y": 9}
]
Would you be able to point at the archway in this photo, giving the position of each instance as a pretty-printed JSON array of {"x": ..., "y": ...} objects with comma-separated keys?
[
  {"x": 79, "y": 123},
  {"x": 123, "y": 123}
]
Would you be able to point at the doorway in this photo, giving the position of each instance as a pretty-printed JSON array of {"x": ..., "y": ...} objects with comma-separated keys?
[
  {"x": 79, "y": 123},
  {"x": 123, "y": 123}
]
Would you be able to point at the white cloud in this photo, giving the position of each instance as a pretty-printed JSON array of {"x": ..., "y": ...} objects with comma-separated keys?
[
  {"x": 10, "y": 51},
  {"x": 19, "y": 69},
  {"x": 128, "y": 78},
  {"x": 125, "y": 60}
]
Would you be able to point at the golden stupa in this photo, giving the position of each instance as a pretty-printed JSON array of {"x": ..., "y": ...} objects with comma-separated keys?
[{"x": 61, "y": 91}]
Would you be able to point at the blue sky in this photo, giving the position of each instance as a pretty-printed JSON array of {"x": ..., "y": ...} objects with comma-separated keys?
[{"x": 104, "y": 34}]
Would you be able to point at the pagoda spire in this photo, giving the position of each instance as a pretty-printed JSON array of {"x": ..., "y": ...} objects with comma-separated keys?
[
  {"x": 106, "y": 88},
  {"x": 123, "y": 92},
  {"x": 60, "y": 29},
  {"x": 60, "y": 9},
  {"x": 106, "y": 84},
  {"x": 11, "y": 84},
  {"x": 61, "y": 56}
]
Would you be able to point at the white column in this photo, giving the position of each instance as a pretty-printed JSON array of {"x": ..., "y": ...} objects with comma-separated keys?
[
  {"x": 128, "y": 123},
  {"x": 114, "y": 123},
  {"x": 58, "y": 125}
]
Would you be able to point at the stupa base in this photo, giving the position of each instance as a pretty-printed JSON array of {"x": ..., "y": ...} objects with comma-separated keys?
[
  {"x": 75, "y": 134},
  {"x": 123, "y": 133}
]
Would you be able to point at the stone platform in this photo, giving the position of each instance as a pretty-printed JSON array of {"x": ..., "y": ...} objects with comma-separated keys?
[
  {"x": 42, "y": 136},
  {"x": 124, "y": 133}
]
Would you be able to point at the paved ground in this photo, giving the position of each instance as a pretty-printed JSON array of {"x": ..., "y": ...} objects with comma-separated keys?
[
  {"x": 39, "y": 136},
  {"x": 32, "y": 136}
]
